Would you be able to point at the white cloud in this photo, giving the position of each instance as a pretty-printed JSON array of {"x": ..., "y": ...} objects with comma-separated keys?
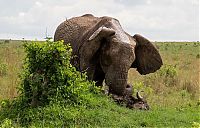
[
  {"x": 37, "y": 3},
  {"x": 156, "y": 19},
  {"x": 21, "y": 14},
  {"x": 148, "y": 1}
]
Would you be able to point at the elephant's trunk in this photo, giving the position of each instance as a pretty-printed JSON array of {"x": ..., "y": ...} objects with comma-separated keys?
[{"x": 117, "y": 82}]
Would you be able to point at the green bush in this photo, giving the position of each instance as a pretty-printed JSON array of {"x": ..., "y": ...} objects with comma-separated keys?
[
  {"x": 7, "y": 41},
  {"x": 195, "y": 125},
  {"x": 7, "y": 123},
  {"x": 3, "y": 69},
  {"x": 48, "y": 75},
  {"x": 48, "y": 78},
  {"x": 168, "y": 71},
  {"x": 169, "y": 74},
  {"x": 140, "y": 86}
]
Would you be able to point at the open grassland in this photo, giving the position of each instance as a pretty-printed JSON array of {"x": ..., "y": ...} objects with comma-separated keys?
[
  {"x": 11, "y": 60},
  {"x": 177, "y": 82},
  {"x": 172, "y": 92}
]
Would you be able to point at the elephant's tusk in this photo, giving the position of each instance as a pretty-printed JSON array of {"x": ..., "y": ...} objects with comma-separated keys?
[{"x": 138, "y": 95}]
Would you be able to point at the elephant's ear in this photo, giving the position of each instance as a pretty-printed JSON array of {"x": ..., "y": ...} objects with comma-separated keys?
[
  {"x": 148, "y": 59},
  {"x": 90, "y": 48}
]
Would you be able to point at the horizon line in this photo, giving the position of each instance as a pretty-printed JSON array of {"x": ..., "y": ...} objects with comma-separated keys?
[{"x": 14, "y": 39}]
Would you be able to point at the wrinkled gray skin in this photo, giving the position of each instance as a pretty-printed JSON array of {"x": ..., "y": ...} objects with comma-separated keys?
[{"x": 105, "y": 51}]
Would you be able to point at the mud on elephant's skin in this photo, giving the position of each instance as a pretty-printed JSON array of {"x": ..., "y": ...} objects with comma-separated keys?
[{"x": 105, "y": 51}]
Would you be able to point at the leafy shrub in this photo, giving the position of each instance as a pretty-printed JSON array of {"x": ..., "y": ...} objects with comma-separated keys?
[
  {"x": 169, "y": 73},
  {"x": 184, "y": 93},
  {"x": 140, "y": 86},
  {"x": 7, "y": 41},
  {"x": 162, "y": 80},
  {"x": 5, "y": 103},
  {"x": 48, "y": 78},
  {"x": 3, "y": 69},
  {"x": 7, "y": 123},
  {"x": 195, "y": 124},
  {"x": 48, "y": 75}
]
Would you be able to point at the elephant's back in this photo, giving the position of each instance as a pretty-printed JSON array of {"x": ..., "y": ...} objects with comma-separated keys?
[{"x": 72, "y": 30}]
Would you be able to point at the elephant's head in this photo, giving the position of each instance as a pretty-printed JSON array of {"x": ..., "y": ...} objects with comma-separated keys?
[{"x": 117, "y": 52}]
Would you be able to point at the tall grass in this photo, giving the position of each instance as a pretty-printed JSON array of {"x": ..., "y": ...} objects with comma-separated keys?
[
  {"x": 177, "y": 82},
  {"x": 11, "y": 59}
]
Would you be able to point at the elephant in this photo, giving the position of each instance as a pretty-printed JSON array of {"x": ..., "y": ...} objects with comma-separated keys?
[{"x": 103, "y": 50}]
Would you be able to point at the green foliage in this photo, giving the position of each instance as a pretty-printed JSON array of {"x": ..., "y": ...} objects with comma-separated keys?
[
  {"x": 5, "y": 104},
  {"x": 140, "y": 86},
  {"x": 7, "y": 41},
  {"x": 184, "y": 93},
  {"x": 7, "y": 123},
  {"x": 198, "y": 55},
  {"x": 3, "y": 69},
  {"x": 48, "y": 75},
  {"x": 195, "y": 125},
  {"x": 168, "y": 73},
  {"x": 104, "y": 113}
]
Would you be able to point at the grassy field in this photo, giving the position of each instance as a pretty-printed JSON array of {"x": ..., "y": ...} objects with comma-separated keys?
[
  {"x": 172, "y": 92},
  {"x": 11, "y": 60},
  {"x": 177, "y": 82}
]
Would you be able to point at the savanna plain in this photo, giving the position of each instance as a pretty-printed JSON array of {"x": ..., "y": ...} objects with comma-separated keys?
[{"x": 172, "y": 93}]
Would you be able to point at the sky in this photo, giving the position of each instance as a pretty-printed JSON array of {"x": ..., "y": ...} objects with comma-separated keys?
[{"x": 157, "y": 20}]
